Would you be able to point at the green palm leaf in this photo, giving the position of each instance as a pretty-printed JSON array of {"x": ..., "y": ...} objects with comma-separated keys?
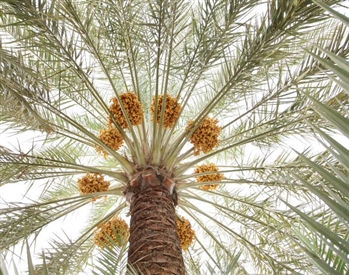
[{"x": 325, "y": 238}]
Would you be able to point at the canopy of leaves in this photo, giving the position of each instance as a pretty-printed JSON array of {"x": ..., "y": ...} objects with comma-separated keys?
[{"x": 274, "y": 74}]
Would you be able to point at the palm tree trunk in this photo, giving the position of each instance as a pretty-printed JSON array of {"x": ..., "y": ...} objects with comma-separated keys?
[{"x": 154, "y": 246}]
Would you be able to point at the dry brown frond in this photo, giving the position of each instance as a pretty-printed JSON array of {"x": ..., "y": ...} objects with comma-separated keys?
[
  {"x": 210, "y": 167},
  {"x": 205, "y": 137},
  {"x": 171, "y": 113},
  {"x": 116, "y": 229},
  {"x": 185, "y": 233},
  {"x": 132, "y": 107},
  {"x": 92, "y": 183}
]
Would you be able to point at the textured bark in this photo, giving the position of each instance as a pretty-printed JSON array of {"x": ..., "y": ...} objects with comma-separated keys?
[{"x": 154, "y": 245}]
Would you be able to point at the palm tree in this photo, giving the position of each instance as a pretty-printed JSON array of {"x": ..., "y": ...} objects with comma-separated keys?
[{"x": 182, "y": 117}]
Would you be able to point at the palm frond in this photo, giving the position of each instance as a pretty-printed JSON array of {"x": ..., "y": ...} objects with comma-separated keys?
[
  {"x": 20, "y": 220},
  {"x": 110, "y": 260},
  {"x": 325, "y": 237},
  {"x": 65, "y": 256}
]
